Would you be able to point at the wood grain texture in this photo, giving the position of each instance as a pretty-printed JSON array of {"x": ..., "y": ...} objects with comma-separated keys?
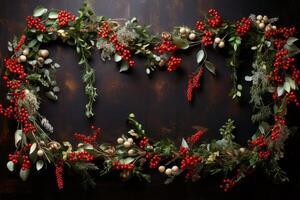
[{"x": 159, "y": 102}]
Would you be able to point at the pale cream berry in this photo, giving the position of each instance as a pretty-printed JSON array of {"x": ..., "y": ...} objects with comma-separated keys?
[
  {"x": 259, "y": 17},
  {"x": 127, "y": 144},
  {"x": 175, "y": 169},
  {"x": 221, "y": 44},
  {"x": 161, "y": 169},
  {"x": 217, "y": 40},
  {"x": 22, "y": 58},
  {"x": 168, "y": 172},
  {"x": 120, "y": 140},
  {"x": 130, "y": 140},
  {"x": 261, "y": 25},
  {"x": 182, "y": 30},
  {"x": 192, "y": 36},
  {"x": 40, "y": 152},
  {"x": 25, "y": 52},
  {"x": 131, "y": 152}
]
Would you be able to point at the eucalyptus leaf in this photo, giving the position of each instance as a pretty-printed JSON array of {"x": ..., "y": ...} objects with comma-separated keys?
[
  {"x": 210, "y": 66},
  {"x": 53, "y": 15},
  {"x": 200, "y": 56},
  {"x": 10, "y": 166},
  {"x": 291, "y": 40},
  {"x": 39, "y": 11},
  {"x": 24, "y": 174},
  {"x": 32, "y": 148},
  {"x": 40, "y": 37},
  {"x": 18, "y": 137},
  {"x": 39, "y": 165},
  {"x": 127, "y": 160},
  {"x": 124, "y": 67},
  {"x": 117, "y": 57},
  {"x": 48, "y": 61},
  {"x": 280, "y": 90},
  {"x": 184, "y": 143}
]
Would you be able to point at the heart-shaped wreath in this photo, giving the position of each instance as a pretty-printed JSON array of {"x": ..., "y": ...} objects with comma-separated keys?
[{"x": 30, "y": 72}]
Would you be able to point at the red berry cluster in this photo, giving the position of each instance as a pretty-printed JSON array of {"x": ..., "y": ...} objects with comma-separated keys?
[
  {"x": 280, "y": 35},
  {"x": 183, "y": 150},
  {"x": 166, "y": 47},
  {"x": 106, "y": 32},
  {"x": 291, "y": 97},
  {"x": 214, "y": 18},
  {"x": 21, "y": 157},
  {"x": 243, "y": 26},
  {"x": 88, "y": 139},
  {"x": 143, "y": 143},
  {"x": 20, "y": 43},
  {"x": 264, "y": 154},
  {"x": 80, "y": 156},
  {"x": 64, "y": 17},
  {"x": 195, "y": 138},
  {"x": 200, "y": 26},
  {"x": 282, "y": 62},
  {"x": 260, "y": 141},
  {"x": 26, "y": 162},
  {"x": 154, "y": 161},
  {"x": 194, "y": 83},
  {"x": 206, "y": 39},
  {"x": 277, "y": 128},
  {"x": 13, "y": 84},
  {"x": 189, "y": 161},
  {"x": 59, "y": 169},
  {"x": 119, "y": 166},
  {"x": 173, "y": 63},
  {"x": 227, "y": 184},
  {"x": 14, "y": 67},
  {"x": 35, "y": 23}
]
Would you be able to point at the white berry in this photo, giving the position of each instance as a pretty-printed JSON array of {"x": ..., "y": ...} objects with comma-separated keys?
[
  {"x": 25, "y": 52},
  {"x": 127, "y": 144},
  {"x": 120, "y": 140},
  {"x": 40, "y": 152},
  {"x": 175, "y": 169},
  {"x": 261, "y": 25},
  {"x": 131, "y": 152},
  {"x": 44, "y": 53},
  {"x": 217, "y": 40},
  {"x": 192, "y": 36},
  {"x": 168, "y": 172},
  {"x": 259, "y": 17},
  {"x": 130, "y": 140},
  {"x": 265, "y": 19},
  {"x": 182, "y": 30},
  {"x": 23, "y": 58},
  {"x": 161, "y": 169},
  {"x": 221, "y": 44}
]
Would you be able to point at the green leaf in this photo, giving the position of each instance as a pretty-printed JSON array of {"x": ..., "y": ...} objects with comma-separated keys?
[
  {"x": 210, "y": 66},
  {"x": 18, "y": 137},
  {"x": 117, "y": 57},
  {"x": 10, "y": 166},
  {"x": 291, "y": 40},
  {"x": 32, "y": 43},
  {"x": 280, "y": 90},
  {"x": 124, "y": 67},
  {"x": 200, "y": 56},
  {"x": 51, "y": 95},
  {"x": 24, "y": 174},
  {"x": 180, "y": 43},
  {"x": 40, "y": 37},
  {"x": 39, "y": 164},
  {"x": 293, "y": 49},
  {"x": 53, "y": 15},
  {"x": 287, "y": 86},
  {"x": 48, "y": 61},
  {"x": 39, "y": 11},
  {"x": 184, "y": 143},
  {"x": 127, "y": 160},
  {"x": 32, "y": 148}
]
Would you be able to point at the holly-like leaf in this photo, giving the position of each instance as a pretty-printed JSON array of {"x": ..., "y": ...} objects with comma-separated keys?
[
  {"x": 18, "y": 137},
  {"x": 210, "y": 66},
  {"x": 40, "y": 37},
  {"x": 39, "y": 11},
  {"x": 24, "y": 174},
  {"x": 291, "y": 40},
  {"x": 53, "y": 15},
  {"x": 39, "y": 164},
  {"x": 10, "y": 166},
  {"x": 280, "y": 90}
]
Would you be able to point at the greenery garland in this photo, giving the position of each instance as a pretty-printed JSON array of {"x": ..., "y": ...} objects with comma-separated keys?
[{"x": 30, "y": 71}]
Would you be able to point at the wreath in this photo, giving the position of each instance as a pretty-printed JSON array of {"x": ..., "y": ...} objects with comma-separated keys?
[{"x": 30, "y": 72}]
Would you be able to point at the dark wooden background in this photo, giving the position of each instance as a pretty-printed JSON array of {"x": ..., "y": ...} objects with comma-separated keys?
[{"x": 159, "y": 102}]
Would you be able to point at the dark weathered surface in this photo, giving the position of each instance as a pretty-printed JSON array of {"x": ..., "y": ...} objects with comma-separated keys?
[{"x": 159, "y": 102}]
